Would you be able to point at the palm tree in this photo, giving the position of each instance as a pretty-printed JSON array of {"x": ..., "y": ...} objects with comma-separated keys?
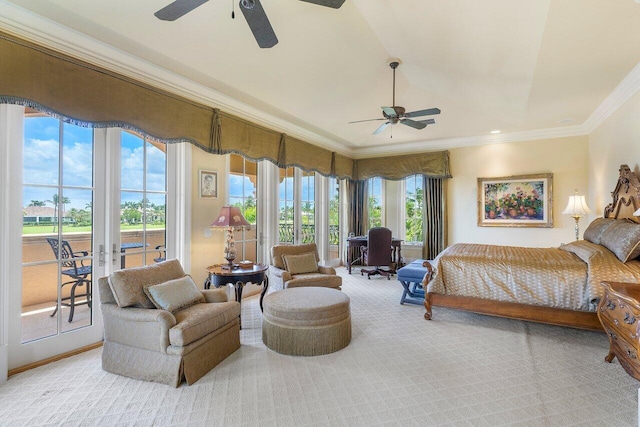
[
  {"x": 38, "y": 203},
  {"x": 55, "y": 201}
]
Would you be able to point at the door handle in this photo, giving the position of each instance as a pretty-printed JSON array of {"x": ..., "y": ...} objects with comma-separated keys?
[
  {"x": 114, "y": 254},
  {"x": 101, "y": 255}
]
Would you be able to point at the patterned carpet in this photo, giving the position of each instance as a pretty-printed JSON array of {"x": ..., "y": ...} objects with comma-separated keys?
[{"x": 460, "y": 369}]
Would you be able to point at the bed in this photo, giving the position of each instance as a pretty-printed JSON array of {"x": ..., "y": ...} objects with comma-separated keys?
[{"x": 558, "y": 286}]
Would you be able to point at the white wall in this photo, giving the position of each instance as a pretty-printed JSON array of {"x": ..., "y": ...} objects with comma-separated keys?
[
  {"x": 616, "y": 141},
  {"x": 565, "y": 158}
]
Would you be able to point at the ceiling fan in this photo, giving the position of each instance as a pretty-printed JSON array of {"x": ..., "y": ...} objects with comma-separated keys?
[
  {"x": 251, "y": 9},
  {"x": 396, "y": 114}
]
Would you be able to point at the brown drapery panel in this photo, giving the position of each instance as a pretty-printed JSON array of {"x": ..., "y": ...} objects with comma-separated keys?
[
  {"x": 86, "y": 94},
  {"x": 357, "y": 211},
  {"x": 357, "y": 208},
  {"x": 433, "y": 164},
  {"x": 434, "y": 217}
]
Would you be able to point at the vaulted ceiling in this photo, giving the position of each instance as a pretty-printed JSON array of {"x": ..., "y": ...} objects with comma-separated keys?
[{"x": 526, "y": 68}]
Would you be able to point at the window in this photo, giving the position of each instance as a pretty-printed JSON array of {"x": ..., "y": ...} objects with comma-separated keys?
[
  {"x": 375, "y": 202},
  {"x": 243, "y": 194},
  {"x": 414, "y": 208}
]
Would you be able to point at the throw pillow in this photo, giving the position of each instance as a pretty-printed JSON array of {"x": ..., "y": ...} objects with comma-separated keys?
[
  {"x": 175, "y": 294},
  {"x": 594, "y": 231},
  {"x": 128, "y": 285},
  {"x": 299, "y": 264},
  {"x": 623, "y": 239}
]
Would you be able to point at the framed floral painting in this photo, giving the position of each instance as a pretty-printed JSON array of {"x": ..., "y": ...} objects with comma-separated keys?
[{"x": 516, "y": 201}]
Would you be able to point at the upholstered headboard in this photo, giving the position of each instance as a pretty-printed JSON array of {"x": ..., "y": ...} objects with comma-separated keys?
[{"x": 626, "y": 196}]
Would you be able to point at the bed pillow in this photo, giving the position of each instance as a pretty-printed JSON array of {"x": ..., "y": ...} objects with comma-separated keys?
[
  {"x": 594, "y": 231},
  {"x": 300, "y": 264},
  {"x": 174, "y": 295},
  {"x": 623, "y": 239}
]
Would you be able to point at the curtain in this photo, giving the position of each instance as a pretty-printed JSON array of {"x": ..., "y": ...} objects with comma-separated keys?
[
  {"x": 435, "y": 217},
  {"x": 89, "y": 95},
  {"x": 433, "y": 164},
  {"x": 357, "y": 212}
]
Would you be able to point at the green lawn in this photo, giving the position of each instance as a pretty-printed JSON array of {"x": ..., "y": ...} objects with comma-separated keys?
[{"x": 47, "y": 229}]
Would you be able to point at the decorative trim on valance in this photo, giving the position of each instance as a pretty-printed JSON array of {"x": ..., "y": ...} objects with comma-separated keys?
[{"x": 85, "y": 94}]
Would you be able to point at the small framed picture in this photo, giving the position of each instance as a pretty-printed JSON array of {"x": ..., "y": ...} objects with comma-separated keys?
[{"x": 208, "y": 184}]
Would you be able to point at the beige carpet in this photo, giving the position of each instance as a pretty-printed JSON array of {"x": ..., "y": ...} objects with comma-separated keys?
[{"x": 399, "y": 370}]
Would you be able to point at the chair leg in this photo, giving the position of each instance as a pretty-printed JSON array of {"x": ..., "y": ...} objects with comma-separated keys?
[{"x": 72, "y": 299}]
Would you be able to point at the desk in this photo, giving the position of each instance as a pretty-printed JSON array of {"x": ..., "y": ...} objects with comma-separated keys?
[
  {"x": 357, "y": 242},
  {"x": 130, "y": 245},
  {"x": 238, "y": 277}
]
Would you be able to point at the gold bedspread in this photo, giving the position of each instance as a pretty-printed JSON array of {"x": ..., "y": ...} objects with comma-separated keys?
[{"x": 565, "y": 277}]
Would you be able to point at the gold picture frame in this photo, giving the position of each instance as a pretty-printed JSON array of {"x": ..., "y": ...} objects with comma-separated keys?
[
  {"x": 516, "y": 201},
  {"x": 208, "y": 184}
]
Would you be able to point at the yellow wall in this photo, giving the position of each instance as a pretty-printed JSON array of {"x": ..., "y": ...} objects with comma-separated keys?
[
  {"x": 565, "y": 158},
  {"x": 616, "y": 141},
  {"x": 206, "y": 250}
]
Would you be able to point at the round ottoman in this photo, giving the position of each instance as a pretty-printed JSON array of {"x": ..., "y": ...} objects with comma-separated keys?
[{"x": 306, "y": 321}]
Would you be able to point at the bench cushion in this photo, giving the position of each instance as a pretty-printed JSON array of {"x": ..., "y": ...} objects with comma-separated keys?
[{"x": 413, "y": 272}]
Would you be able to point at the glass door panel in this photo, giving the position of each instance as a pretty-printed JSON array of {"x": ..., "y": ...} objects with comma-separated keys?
[
  {"x": 286, "y": 206},
  {"x": 57, "y": 232},
  {"x": 142, "y": 200},
  {"x": 308, "y": 208},
  {"x": 243, "y": 182}
]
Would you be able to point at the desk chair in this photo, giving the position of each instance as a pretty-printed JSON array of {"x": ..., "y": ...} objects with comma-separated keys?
[
  {"x": 76, "y": 271},
  {"x": 378, "y": 252}
]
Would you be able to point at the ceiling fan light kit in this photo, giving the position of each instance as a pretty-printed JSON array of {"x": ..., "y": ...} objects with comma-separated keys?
[
  {"x": 251, "y": 9},
  {"x": 397, "y": 114}
]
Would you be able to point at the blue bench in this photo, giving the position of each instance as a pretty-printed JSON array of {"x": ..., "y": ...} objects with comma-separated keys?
[{"x": 410, "y": 276}]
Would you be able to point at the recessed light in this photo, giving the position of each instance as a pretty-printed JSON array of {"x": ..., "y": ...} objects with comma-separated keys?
[{"x": 495, "y": 131}]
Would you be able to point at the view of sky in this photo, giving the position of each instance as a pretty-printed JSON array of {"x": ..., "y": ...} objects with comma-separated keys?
[{"x": 41, "y": 172}]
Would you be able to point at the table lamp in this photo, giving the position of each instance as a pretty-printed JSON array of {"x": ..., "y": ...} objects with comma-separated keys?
[
  {"x": 577, "y": 208},
  {"x": 230, "y": 219}
]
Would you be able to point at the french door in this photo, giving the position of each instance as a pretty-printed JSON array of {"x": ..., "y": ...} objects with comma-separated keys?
[
  {"x": 93, "y": 201},
  {"x": 297, "y": 206}
]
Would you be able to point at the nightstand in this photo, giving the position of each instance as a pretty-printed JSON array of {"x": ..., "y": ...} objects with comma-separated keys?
[{"x": 619, "y": 313}]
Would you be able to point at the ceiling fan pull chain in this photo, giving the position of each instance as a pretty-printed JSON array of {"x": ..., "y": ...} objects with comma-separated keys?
[{"x": 233, "y": 9}]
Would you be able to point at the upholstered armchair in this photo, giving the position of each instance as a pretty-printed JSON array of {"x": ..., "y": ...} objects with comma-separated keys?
[
  {"x": 158, "y": 326},
  {"x": 297, "y": 265}
]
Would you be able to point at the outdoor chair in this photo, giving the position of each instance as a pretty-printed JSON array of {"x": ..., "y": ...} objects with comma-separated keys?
[{"x": 73, "y": 267}]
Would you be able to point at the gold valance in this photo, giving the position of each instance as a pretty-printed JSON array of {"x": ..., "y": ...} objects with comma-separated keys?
[
  {"x": 79, "y": 92},
  {"x": 432, "y": 165}
]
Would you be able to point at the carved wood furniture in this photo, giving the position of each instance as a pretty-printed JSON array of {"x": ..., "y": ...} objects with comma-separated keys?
[
  {"x": 619, "y": 312},
  {"x": 626, "y": 200}
]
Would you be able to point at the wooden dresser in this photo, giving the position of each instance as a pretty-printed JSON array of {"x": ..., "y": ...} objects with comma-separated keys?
[{"x": 619, "y": 313}]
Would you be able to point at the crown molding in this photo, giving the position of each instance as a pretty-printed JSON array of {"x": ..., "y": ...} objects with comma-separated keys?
[
  {"x": 47, "y": 33},
  {"x": 448, "y": 143},
  {"x": 621, "y": 94}
]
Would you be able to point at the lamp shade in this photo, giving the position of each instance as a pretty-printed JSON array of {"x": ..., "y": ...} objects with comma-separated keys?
[
  {"x": 231, "y": 217},
  {"x": 577, "y": 206}
]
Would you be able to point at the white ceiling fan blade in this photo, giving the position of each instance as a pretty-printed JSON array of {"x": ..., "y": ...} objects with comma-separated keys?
[{"x": 381, "y": 128}]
